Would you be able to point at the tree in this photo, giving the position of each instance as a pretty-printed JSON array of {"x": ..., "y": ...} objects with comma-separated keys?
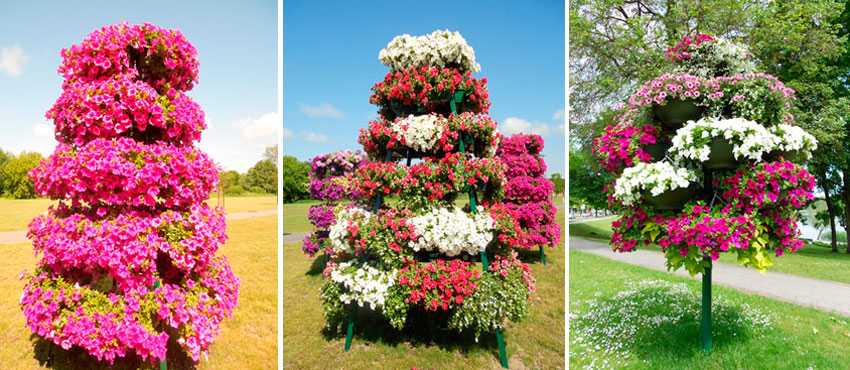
[
  {"x": 262, "y": 178},
  {"x": 271, "y": 154},
  {"x": 559, "y": 182},
  {"x": 231, "y": 183},
  {"x": 587, "y": 181},
  {"x": 295, "y": 179},
  {"x": 617, "y": 44},
  {"x": 14, "y": 175},
  {"x": 804, "y": 44}
]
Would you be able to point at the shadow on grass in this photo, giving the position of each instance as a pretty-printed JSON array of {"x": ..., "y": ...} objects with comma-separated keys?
[
  {"x": 533, "y": 255},
  {"x": 422, "y": 329},
  {"x": 50, "y": 355},
  {"x": 318, "y": 265},
  {"x": 682, "y": 340}
]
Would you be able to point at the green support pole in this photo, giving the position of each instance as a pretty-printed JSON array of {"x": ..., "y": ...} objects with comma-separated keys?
[
  {"x": 503, "y": 353},
  {"x": 473, "y": 205},
  {"x": 543, "y": 255},
  {"x": 349, "y": 330},
  {"x": 163, "y": 365},
  {"x": 705, "y": 325},
  {"x": 376, "y": 205}
]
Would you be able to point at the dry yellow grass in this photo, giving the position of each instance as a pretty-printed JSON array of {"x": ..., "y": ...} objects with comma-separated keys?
[{"x": 248, "y": 340}]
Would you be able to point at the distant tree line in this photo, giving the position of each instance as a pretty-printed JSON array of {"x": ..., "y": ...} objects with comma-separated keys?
[
  {"x": 260, "y": 179},
  {"x": 14, "y": 181}
]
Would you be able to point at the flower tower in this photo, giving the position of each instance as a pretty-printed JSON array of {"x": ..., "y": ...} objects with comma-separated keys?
[
  {"x": 528, "y": 193},
  {"x": 420, "y": 254},
  {"x": 330, "y": 182},
  {"x": 708, "y": 159},
  {"x": 128, "y": 262}
]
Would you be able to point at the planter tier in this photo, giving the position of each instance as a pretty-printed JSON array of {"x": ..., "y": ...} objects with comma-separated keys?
[
  {"x": 676, "y": 112},
  {"x": 721, "y": 156},
  {"x": 672, "y": 200}
]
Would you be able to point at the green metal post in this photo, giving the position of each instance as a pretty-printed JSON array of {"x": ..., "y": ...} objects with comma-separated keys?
[
  {"x": 542, "y": 255},
  {"x": 473, "y": 205},
  {"x": 503, "y": 353},
  {"x": 349, "y": 331},
  {"x": 705, "y": 325}
]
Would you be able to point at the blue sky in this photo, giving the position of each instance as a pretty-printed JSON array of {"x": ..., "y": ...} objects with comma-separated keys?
[
  {"x": 237, "y": 48},
  {"x": 331, "y": 61}
]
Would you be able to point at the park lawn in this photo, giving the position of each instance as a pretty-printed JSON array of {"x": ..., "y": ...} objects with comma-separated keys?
[
  {"x": 248, "y": 340},
  {"x": 295, "y": 216},
  {"x": 537, "y": 342},
  {"x": 798, "y": 337},
  {"x": 15, "y": 214},
  {"x": 816, "y": 260},
  {"x": 246, "y": 203}
]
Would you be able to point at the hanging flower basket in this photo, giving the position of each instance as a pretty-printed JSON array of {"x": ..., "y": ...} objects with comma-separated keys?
[
  {"x": 721, "y": 156},
  {"x": 676, "y": 112},
  {"x": 672, "y": 200}
]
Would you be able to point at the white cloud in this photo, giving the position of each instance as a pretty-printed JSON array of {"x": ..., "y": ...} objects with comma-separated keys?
[
  {"x": 287, "y": 134},
  {"x": 12, "y": 60},
  {"x": 558, "y": 116},
  {"x": 260, "y": 129},
  {"x": 324, "y": 110},
  {"x": 515, "y": 125},
  {"x": 314, "y": 137},
  {"x": 42, "y": 130}
]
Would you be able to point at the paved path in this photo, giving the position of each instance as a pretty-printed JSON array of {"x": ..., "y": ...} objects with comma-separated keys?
[
  {"x": 821, "y": 294},
  {"x": 293, "y": 237},
  {"x": 579, "y": 220},
  {"x": 20, "y": 236}
]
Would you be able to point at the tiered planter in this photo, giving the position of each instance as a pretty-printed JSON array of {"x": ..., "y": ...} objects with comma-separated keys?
[
  {"x": 727, "y": 183},
  {"x": 415, "y": 257},
  {"x": 330, "y": 182},
  {"x": 128, "y": 267},
  {"x": 529, "y": 193}
]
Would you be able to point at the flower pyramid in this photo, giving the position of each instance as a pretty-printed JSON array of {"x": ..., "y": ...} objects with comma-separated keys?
[
  {"x": 330, "y": 182},
  {"x": 128, "y": 253},
  {"x": 708, "y": 159},
  {"x": 419, "y": 252},
  {"x": 528, "y": 193}
]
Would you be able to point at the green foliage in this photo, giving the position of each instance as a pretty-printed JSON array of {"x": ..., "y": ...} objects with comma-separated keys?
[
  {"x": 395, "y": 308},
  {"x": 333, "y": 307},
  {"x": 617, "y": 44},
  {"x": 231, "y": 183},
  {"x": 587, "y": 181},
  {"x": 14, "y": 175},
  {"x": 559, "y": 182},
  {"x": 262, "y": 178},
  {"x": 294, "y": 179},
  {"x": 495, "y": 300}
]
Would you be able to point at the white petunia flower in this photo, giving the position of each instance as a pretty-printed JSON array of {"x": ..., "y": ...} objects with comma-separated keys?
[
  {"x": 656, "y": 178},
  {"x": 421, "y": 133},
  {"x": 452, "y": 231},
  {"x": 749, "y": 139},
  {"x": 437, "y": 49}
]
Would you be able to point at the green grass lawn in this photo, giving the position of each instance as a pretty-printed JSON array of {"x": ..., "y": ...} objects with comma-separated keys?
[
  {"x": 295, "y": 216},
  {"x": 248, "y": 340},
  {"x": 15, "y": 214},
  {"x": 537, "y": 342},
  {"x": 815, "y": 260},
  {"x": 796, "y": 338}
]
